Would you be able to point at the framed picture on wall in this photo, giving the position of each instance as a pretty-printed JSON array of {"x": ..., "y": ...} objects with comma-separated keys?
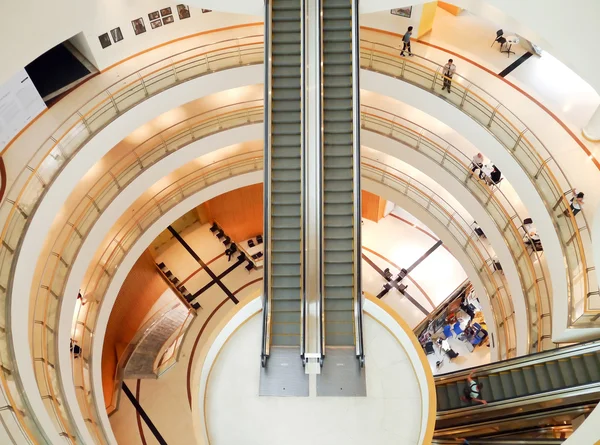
[
  {"x": 183, "y": 11},
  {"x": 204, "y": 11},
  {"x": 168, "y": 19},
  {"x": 165, "y": 11},
  {"x": 116, "y": 34},
  {"x": 153, "y": 15},
  {"x": 104, "y": 40},
  {"x": 156, "y": 24},
  {"x": 402, "y": 12},
  {"x": 138, "y": 26}
]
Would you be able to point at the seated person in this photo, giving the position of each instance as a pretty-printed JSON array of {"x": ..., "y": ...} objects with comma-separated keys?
[{"x": 495, "y": 175}]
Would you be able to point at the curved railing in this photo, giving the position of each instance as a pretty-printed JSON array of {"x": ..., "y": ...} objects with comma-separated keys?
[
  {"x": 47, "y": 161},
  {"x": 498, "y": 206},
  {"x": 124, "y": 169},
  {"x": 79, "y": 223},
  {"x": 526, "y": 148}
]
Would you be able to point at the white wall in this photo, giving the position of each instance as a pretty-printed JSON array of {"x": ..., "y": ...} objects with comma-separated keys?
[
  {"x": 34, "y": 26},
  {"x": 393, "y": 23}
]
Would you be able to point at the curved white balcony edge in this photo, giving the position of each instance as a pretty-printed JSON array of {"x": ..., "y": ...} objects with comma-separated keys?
[
  {"x": 56, "y": 195},
  {"x": 430, "y": 168},
  {"x": 472, "y": 131}
]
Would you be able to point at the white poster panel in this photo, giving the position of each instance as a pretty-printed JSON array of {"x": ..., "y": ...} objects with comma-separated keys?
[{"x": 20, "y": 103}]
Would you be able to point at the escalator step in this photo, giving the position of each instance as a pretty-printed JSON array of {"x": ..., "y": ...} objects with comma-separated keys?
[
  {"x": 543, "y": 378},
  {"x": 533, "y": 385},
  {"x": 508, "y": 385},
  {"x": 592, "y": 367},
  {"x": 519, "y": 382},
  {"x": 581, "y": 373},
  {"x": 556, "y": 378},
  {"x": 442, "y": 397},
  {"x": 496, "y": 387},
  {"x": 568, "y": 373}
]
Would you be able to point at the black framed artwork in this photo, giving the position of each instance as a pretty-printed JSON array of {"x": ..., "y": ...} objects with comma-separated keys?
[
  {"x": 153, "y": 15},
  {"x": 138, "y": 26},
  {"x": 165, "y": 11},
  {"x": 104, "y": 40},
  {"x": 116, "y": 34},
  {"x": 156, "y": 24},
  {"x": 183, "y": 11},
  {"x": 402, "y": 12},
  {"x": 168, "y": 19}
]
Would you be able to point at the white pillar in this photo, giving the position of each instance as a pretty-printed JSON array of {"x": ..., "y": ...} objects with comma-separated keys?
[{"x": 592, "y": 130}]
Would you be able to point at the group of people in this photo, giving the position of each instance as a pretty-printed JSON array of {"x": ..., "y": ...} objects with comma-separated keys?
[
  {"x": 490, "y": 174},
  {"x": 448, "y": 70}
]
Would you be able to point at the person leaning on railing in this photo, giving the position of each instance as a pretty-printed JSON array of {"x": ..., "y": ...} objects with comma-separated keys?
[
  {"x": 448, "y": 71},
  {"x": 576, "y": 203}
]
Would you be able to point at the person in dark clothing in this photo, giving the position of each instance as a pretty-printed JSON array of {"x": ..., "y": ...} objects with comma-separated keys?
[
  {"x": 576, "y": 203},
  {"x": 495, "y": 175},
  {"x": 406, "y": 42}
]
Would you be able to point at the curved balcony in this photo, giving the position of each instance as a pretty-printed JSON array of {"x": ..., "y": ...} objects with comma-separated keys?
[
  {"x": 126, "y": 168},
  {"x": 504, "y": 215},
  {"x": 524, "y": 146},
  {"x": 75, "y": 131}
]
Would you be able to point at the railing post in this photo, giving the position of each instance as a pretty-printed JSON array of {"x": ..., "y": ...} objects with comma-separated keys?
[
  {"x": 435, "y": 78},
  {"x": 493, "y": 115},
  {"x": 519, "y": 139},
  {"x": 403, "y": 67},
  {"x": 371, "y": 58},
  {"x": 143, "y": 84},
  {"x": 112, "y": 99},
  {"x": 206, "y": 61},
  {"x": 239, "y": 50},
  {"x": 85, "y": 122},
  {"x": 537, "y": 174},
  {"x": 174, "y": 70},
  {"x": 462, "y": 101}
]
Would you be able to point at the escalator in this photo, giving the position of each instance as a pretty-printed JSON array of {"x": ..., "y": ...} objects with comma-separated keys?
[
  {"x": 560, "y": 377},
  {"x": 283, "y": 176},
  {"x": 340, "y": 177}
]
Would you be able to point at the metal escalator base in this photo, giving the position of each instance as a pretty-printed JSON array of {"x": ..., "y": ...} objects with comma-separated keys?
[
  {"x": 284, "y": 374},
  {"x": 341, "y": 375}
]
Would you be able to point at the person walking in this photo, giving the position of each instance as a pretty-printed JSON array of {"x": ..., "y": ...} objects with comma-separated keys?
[
  {"x": 448, "y": 71},
  {"x": 406, "y": 42},
  {"x": 472, "y": 392}
]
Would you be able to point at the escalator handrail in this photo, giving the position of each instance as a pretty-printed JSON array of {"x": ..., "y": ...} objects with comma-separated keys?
[
  {"x": 356, "y": 152},
  {"x": 518, "y": 362},
  {"x": 267, "y": 187},
  {"x": 304, "y": 321},
  {"x": 319, "y": 175}
]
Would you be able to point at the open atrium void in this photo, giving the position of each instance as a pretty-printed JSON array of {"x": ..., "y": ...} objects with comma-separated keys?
[{"x": 243, "y": 222}]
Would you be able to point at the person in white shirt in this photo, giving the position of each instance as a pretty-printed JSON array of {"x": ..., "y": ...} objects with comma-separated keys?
[
  {"x": 448, "y": 71},
  {"x": 477, "y": 164}
]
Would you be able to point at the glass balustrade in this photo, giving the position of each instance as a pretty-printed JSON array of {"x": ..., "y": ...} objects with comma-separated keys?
[
  {"x": 531, "y": 273},
  {"x": 525, "y": 147},
  {"x": 51, "y": 156}
]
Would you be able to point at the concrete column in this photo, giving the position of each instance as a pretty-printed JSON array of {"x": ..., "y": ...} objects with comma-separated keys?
[{"x": 592, "y": 130}]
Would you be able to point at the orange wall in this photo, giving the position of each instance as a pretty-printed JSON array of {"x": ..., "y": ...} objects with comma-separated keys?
[
  {"x": 427, "y": 17},
  {"x": 450, "y": 8},
  {"x": 373, "y": 206},
  {"x": 239, "y": 212},
  {"x": 141, "y": 289}
]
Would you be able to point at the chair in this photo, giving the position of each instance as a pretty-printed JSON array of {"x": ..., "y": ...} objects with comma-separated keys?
[
  {"x": 226, "y": 241},
  {"x": 220, "y": 234},
  {"x": 501, "y": 41},
  {"x": 259, "y": 239},
  {"x": 241, "y": 257},
  {"x": 250, "y": 243},
  {"x": 214, "y": 227},
  {"x": 429, "y": 348},
  {"x": 499, "y": 34},
  {"x": 249, "y": 266},
  {"x": 447, "y": 331},
  {"x": 457, "y": 329},
  {"x": 196, "y": 306}
]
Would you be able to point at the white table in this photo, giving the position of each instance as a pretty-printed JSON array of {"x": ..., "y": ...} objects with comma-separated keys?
[
  {"x": 249, "y": 251},
  {"x": 510, "y": 41}
]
